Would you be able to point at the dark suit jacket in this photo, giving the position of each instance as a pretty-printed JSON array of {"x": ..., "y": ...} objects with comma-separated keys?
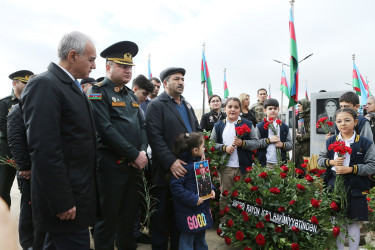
[
  {"x": 164, "y": 124},
  {"x": 61, "y": 137}
]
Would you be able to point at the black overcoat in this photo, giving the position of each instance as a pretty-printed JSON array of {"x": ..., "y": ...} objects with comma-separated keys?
[
  {"x": 61, "y": 138},
  {"x": 164, "y": 124}
]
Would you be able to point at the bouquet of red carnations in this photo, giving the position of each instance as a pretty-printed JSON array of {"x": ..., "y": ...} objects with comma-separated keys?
[
  {"x": 240, "y": 132},
  {"x": 340, "y": 148},
  {"x": 325, "y": 124},
  {"x": 269, "y": 124}
]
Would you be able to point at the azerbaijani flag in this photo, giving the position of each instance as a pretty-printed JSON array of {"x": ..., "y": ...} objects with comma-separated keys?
[
  {"x": 293, "y": 63},
  {"x": 284, "y": 87},
  {"x": 149, "y": 69},
  {"x": 306, "y": 95},
  {"x": 205, "y": 75},
  {"x": 226, "y": 90},
  {"x": 360, "y": 85}
]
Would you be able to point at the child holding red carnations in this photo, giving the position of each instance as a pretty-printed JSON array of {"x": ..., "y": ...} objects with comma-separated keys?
[
  {"x": 355, "y": 166},
  {"x": 192, "y": 213},
  {"x": 270, "y": 142},
  {"x": 227, "y": 140}
]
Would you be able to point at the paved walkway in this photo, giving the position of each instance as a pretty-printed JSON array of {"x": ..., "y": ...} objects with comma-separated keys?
[{"x": 213, "y": 240}]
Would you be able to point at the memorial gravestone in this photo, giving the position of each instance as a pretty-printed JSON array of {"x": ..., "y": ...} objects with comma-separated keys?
[{"x": 323, "y": 104}]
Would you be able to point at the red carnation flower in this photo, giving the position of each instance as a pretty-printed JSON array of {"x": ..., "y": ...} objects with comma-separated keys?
[
  {"x": 265, "y": 126},
  {"x": 368, "y": 199},
  {"x": 298, "y": 171},
  {"x": 221, "y": 212},
  {"x": 314, "y": 220},
  {"x": 283, "y": 175},
  {"x": 254, "y": 189},
  {"x": 245, "y": 217},
  {"x": 206, "y": 137},
  {"x": 281, "y": 209},
  {"x": 239, "y": 131},
  {"x": 270, "y": 119},
  {"x": 260, "y": 240},
  {"x": 336, "y": 231},
  {"x": 239, "y": 235},
  {"x": 304, "y": 165},
  {"x": 248, "y": 169},
  {"x": 228, "y": 240},
  {"x": 215, "y": 173},
  {"x": 263, "y": 175},
  {"x": 292, "y": 202},
  {"x": 243, "y": 212},
  {"x": 225, "y": 193},
  {"x": 314, "y": 171},
  {"x": 306, "y": 161},
  {"x": 284, "y": 168},
  {"x": 275, "y": 190},
  {"x": 267, "y": 217},
  {"x": 265, "y": 119},
  {"x": 278, "y": 230},
  {"x": 294, "y": 246},
  {"x": 334, "y": 206},
  {"x": 260, "y": 225},
  {"x": 212, "y": 149},
  {"x": 315, "y": 203},
  {"x": 247, "y": 180},
  {"x": 309, "y": 178},
  {"x": 301, "y": 187},
  {"x": 247, "y": 248},
  {"x": 295, "y": 229},
  {"x": 239, "y": 207},
  {"x": 219, "y": 231},
  {"x": 226, "y": 209},
  {"x": 235, "y": 194},
  {"x": 278, "y": 121},
  {"x": 209, "y": 160},
  {"x": 258, "y": 201},
  {"x": 321, "y": 171},
  {"x": 118, "y": 162},
  {"x": 237, "y": 178},
  {"x": 230, "y": 223}
]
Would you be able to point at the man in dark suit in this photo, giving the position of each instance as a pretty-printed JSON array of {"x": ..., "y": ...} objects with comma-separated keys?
[
  {"x": 61, "y": 138},
  {"x": 168, "y": 116}
]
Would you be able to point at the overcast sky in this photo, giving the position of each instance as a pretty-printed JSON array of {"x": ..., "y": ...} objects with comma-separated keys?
[{"x": 243, "y": 36}]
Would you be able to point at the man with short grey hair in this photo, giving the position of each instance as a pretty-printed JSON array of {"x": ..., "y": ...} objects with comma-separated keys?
[{"x": 59, "y": 125}]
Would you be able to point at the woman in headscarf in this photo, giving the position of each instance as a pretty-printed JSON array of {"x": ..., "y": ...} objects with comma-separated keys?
[
  {"x": 370, "y": 108},
  {"x": 303, "y": 131}
]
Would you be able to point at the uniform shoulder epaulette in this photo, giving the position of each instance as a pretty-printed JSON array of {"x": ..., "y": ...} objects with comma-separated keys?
[{"x": 99, "y": 84}]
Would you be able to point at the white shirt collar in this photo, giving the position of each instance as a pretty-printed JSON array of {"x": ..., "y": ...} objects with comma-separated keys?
[
  {"x": 70, "y": 75},
  {"x": 238, "y": 119},
  {"x": 351, "y": 140}
]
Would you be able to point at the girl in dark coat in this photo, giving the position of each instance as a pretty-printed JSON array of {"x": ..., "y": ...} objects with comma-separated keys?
[
  {"x": 355, "y": 168},
  {"x": 193, "y": 215}
]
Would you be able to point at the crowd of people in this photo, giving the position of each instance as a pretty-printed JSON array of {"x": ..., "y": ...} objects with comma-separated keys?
[{"x": 80, "y": 149}]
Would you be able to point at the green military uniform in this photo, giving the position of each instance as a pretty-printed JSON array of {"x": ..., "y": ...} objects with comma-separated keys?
[
  {"x": 258, "y": 109},
  {"x": 303, "y": 131},
  {"x": 8, "y": 173},
  {"x": 121, "y": 136}
]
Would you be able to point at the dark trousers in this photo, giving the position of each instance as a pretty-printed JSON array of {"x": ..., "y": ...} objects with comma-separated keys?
[
  {"x": 118, "y": 186},
  {"x": 7, "y": 174},
  {"x": 78, "y": 240},
  {"x": 163, "y": 221},
  {"x": 29, "y": 236}
]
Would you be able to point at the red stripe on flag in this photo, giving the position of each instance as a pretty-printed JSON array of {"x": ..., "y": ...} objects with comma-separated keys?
[
  {"x": 355, "y": 74},
  {"x": 291, "y": 31}
]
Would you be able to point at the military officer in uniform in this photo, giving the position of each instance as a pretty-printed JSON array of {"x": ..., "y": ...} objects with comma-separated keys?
[
  {"x": 258, "y": 108},
  {"x": 7, "y": 173},
  {"x": 122, "y": 143}
]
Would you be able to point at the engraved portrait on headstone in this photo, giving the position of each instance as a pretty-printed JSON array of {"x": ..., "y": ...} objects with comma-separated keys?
[{"x": 326, "y": 108}]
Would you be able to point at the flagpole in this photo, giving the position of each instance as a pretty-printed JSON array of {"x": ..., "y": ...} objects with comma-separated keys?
[
  {"x": 204, "y": 83},
  {"x": 293, "y": 108},
  {"x": 282, "y": 97},
  {"x": 225, "y": 71}
]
